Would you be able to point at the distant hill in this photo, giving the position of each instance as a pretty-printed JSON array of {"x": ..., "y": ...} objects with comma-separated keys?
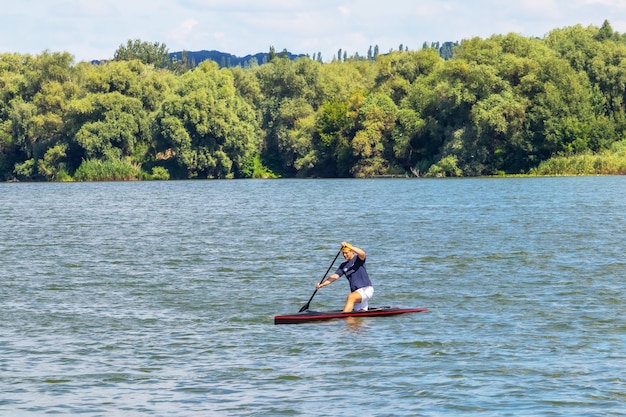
[{"x": 224, "y": 59}]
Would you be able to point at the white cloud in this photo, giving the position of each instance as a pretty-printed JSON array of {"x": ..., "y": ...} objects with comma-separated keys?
[
  {"x": 183, "y": 30},
  {"x": 93, "y": 29},
  {"x": 619, "y": 4},
  {"x": 541, "y": 9}
]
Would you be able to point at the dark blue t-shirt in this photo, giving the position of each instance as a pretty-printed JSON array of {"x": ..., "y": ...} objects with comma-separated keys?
[{"x": 355, "y": 271}]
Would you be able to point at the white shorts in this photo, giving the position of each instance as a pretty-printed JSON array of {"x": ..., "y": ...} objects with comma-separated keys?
[{"x": 366, "y": 295}]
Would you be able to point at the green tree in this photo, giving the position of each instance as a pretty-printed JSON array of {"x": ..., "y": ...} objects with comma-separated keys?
[
  {"x": 209, "y": 129},
  {"x": 339, "y": 81},
  {"x": 291, "y": 95},
  {"x": 111, "y": 117},
  {"x": 51, "y": 166},
  {"x": 600, "y": 53},
  {"x": 109, "y": 125},
  {"x": 36, "y": 108},
  {"x": 331, "y": 154},
  {"x": 405, "y": 148},
  {"x": 398, "y": 70},
  {"x": 341, "y": 87},
  {"x": 442, "y": 102},
  {"x": 376, "y": 118},
  {"x": 148, "y": 53}
]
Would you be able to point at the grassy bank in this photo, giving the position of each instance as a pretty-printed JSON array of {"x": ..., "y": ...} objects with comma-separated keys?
[{"x": 609, "y": 162}]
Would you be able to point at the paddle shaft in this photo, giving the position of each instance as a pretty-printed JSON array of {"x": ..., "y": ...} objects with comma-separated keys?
[{"x": 306, "y": 306}]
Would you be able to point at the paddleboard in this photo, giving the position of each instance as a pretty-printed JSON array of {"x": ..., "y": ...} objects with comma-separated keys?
[{"x": 308, "y": 316}]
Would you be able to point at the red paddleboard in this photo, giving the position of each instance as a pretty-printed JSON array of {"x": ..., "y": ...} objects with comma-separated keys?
[{"x": 308, "y": 316}]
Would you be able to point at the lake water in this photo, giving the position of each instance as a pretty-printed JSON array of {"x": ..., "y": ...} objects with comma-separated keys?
[{"x": 158, "y": 298}]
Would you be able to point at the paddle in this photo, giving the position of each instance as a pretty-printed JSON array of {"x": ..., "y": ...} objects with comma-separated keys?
[{"x": 306, "y": 306}]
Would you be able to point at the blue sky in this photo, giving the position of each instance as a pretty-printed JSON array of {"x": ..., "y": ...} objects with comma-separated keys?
[{"x": 94, "y": 29}]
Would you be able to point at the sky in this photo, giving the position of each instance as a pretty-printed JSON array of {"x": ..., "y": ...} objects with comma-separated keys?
[{"x": 95, "y": 29}]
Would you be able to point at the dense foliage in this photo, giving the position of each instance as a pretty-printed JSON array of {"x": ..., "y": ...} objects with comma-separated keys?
[{"x": 503, "y": 105}]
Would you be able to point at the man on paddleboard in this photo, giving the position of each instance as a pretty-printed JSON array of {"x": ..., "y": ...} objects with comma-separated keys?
[{"x": 361, "y": 289}]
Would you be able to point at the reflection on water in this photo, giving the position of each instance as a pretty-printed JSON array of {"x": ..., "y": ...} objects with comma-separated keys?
[{"x": 355, "y": 324}]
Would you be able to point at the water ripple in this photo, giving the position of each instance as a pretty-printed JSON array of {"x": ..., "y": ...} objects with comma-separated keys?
[{"x": 157, "y": 298}]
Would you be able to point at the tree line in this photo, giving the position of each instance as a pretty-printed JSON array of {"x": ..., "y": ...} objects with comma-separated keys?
[{"x": 507, "y": 104}]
